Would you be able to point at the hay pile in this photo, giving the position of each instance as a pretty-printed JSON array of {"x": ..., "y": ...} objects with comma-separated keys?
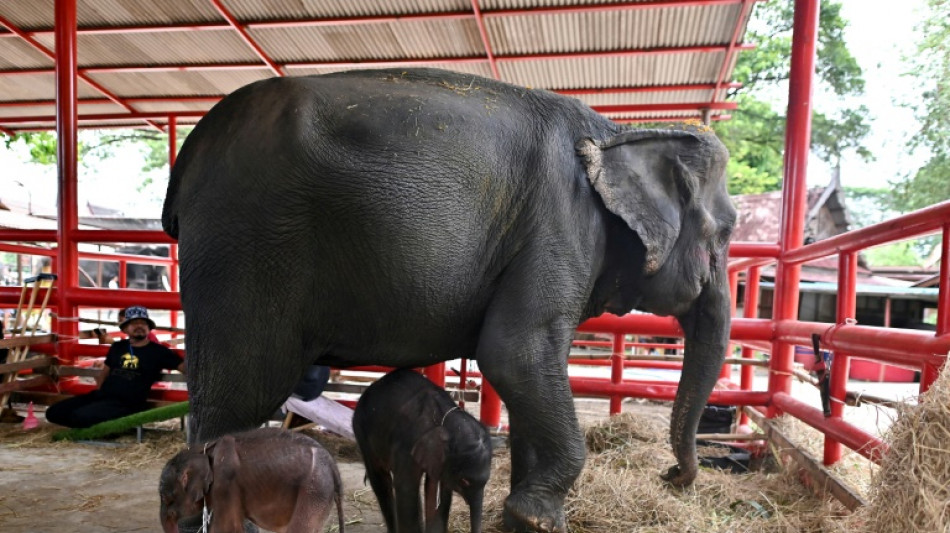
[
  {"x": 620, "y": 491},
  {"x": 911, "y": 490}
]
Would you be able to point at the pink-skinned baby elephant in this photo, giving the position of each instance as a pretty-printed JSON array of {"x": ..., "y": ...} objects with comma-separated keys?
[
  {"x": 406, "y": 426},
  {"x": 279, "y": 480}
]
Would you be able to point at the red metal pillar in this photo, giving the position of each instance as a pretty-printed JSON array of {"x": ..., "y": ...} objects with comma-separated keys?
[
  {"x": 726, "y": 371},
  {"x": 67, "y": 267},
  {"x": 930, "y": 372},
  {"x": 490, "y": 409},
  {"x": 750, "y": 309},
  {"x": 847, "y": 309},
  {"x": 794, "y": 193},
  {"x": 616, "y": 371},
  {"x": 436, "y": 373}
]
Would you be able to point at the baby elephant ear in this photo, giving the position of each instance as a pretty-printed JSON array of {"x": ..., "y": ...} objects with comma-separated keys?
[
  {"x": 429, "y": 451},
  {"x": 638, "y": 175}
]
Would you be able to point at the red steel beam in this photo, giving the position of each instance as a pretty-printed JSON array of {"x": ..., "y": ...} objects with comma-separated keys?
[
  {"x": 67, "y": 162},
  {"x": 158, "y": 115},
  {"x": 26, "y": 250},
  {"x": 52, "y": 56},
  {"x": 753, "y": 249},
  {"x": 797, "y": 142},
  {"x": 215, "y": 99},
  {"x": 731, "y": 50},
  {"x": 930, "y": 372},
  {"x": 644, "y": 89},
  {"x": 908, "y": 347},
  {"x": 660, "y": 390},
  {"x": 136, "y": 115},
  {"x": 27, "y": 235},
  {"x": 410, "y": 62},
  {"x": 846, "y": 311},
  {"x": 686, "y": 106},
  {"x": 620, "y": 6},
  {"x": 750, "y": 309},
  {"x": 123, "y": 298},
  {"x": 248, "y": 40},
  {"x": 385, "y": 19},
  {"x": 927, "y": 220},
  {"x": 486, "y": 42},
  {"x": 677, "y": 118},
  {"x": 860, "y": 441}
]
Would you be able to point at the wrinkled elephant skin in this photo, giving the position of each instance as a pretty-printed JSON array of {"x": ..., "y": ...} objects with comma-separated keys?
[{"x": 410, "y": 216}]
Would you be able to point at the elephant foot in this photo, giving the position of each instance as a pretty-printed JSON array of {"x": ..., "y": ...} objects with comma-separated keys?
[
  {"x": 526, "y": 512},
  {"x": 679, "y": 477}
]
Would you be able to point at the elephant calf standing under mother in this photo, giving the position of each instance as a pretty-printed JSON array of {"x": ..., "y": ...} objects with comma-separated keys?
[{"x": 407, "y": 217}]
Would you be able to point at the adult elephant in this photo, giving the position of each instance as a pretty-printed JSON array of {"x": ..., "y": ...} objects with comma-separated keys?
[{"x": 407, "y": 217}]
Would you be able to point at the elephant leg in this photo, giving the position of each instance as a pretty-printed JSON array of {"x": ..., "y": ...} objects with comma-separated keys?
[
  {"x": 406, "y": 479},
  {"x": 239, "y": 369},
  {"x": 382, "y": 483},
  {"x": 527, "y": 365}
]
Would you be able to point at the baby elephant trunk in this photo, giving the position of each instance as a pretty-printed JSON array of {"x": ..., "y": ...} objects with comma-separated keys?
[{"x": 169, "y": 520}]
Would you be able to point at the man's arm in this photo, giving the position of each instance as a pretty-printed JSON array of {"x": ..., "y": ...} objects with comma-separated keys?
[{"x": 101, "y": 377}]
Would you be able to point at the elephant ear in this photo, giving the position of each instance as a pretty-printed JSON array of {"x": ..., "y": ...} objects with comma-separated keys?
[
  {"x": 225, "y": 459},
  {"x": 196, "y": 478},
  {"x": 641, "y": 178},
  {"x": 429, "y": 451}
]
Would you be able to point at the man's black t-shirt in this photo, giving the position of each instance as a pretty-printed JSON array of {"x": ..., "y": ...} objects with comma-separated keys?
[{"x": 132, "y": 371}]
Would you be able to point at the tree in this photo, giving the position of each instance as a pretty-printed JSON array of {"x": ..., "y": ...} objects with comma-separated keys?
[
  {"x": 756, "y": 134},
  {"x": 930, "y": 66}
]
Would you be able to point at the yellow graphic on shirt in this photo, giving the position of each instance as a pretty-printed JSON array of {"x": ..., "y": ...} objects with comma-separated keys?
[{"x": 130, "y": 361}]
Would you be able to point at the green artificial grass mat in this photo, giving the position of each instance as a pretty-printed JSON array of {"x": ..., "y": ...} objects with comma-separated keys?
[{"x": 120, "y": 425}]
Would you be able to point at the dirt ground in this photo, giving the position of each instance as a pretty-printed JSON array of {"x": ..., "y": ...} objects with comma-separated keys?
[{"x": 112, "y": 486}]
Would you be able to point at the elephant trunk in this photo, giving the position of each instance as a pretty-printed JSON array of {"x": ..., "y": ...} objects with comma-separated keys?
[
  {"x": 706, "y": 329},
  {"x": 169, "y": 520}
]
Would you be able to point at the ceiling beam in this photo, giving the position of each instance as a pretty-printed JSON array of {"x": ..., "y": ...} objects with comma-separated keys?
[
  {"x": 386, "y": 19},
  {"x": 214, "y": 99},
  {"x": 158, "y": 115},
  {"x": 248, "y": 40},
  {"x": 52, "y": 56},
  {"x": 486, "y": 42},
  {"x": 388, "y": 63},
  {"x": 744, "y": 14}
]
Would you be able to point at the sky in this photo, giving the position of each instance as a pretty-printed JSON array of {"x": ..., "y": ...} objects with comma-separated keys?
[{"x": 879, "y": 33}]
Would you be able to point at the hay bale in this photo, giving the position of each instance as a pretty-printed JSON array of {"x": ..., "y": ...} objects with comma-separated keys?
[
  {"x": 620, "y": 491},
  {"x": 911, "y": 490}
]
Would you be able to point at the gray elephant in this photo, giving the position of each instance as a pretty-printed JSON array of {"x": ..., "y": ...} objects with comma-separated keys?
[
  {"x": 406, "y": 217},
  {"x": 279, "y": 480},
  {"x": 406, "y": 426}
]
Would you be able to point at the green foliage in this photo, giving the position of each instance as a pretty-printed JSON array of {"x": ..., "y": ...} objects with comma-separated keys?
[
  {"x": 769, "y": 62},
  {"x": 896, "y": 254},
  {"x": 930, "y": 66},
  {"x": 756, "y": 134},
  {"x": 864, "y": 205},
  {"x": 42, "y": 145},
  {"x": 754, "y": 137}
]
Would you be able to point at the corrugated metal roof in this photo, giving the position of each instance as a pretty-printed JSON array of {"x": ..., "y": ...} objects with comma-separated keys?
[{"x": 649, "y": 59}]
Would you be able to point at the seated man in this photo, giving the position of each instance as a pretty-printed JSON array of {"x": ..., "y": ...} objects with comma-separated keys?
[{"x": 131, "y": 367}]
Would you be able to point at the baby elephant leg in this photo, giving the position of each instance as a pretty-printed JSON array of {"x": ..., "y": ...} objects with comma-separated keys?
[{"x": 318, "y": 496}]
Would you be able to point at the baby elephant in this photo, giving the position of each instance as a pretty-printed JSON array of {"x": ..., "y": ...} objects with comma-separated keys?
[
  {"x": 279, "y": 480},
  {"x": 406, "y": 426}
]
